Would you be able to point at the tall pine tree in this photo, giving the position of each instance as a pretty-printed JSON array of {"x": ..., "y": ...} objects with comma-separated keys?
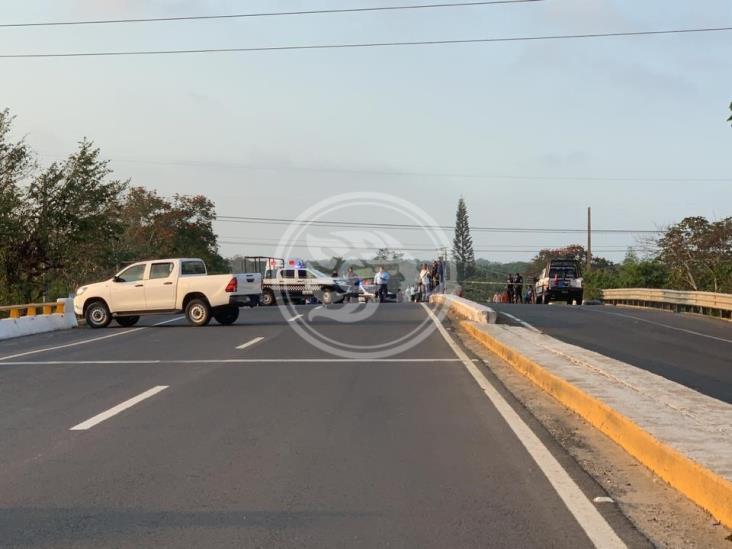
[{"x": 462, "y": 244}]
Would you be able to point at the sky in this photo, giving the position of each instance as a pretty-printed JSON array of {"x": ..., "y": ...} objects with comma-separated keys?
[{"x": 529, "y": 133}]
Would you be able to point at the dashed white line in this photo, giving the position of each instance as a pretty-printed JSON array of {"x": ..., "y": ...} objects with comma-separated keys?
[
  {"x": 85, "y": 341},
  {"x": 250, "y": 343},
  {"x": 587, "y": 516},
  {"x": 97, "y": 419},
  {"x": 294, "y": 318}
]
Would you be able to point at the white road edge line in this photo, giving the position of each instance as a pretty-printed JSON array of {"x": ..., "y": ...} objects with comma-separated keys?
[
  {"x": 294, "y": 318},
  {"x": 85, "y": 341},
  {"x": 250, "y": 343},
  {"x": 587, "y": 516},
  {"x": 229, "y": 361},
  {"x": 522, "y": 322},
  {"x": 692, "y": 332},
  {"x": 91, "y": 422}
]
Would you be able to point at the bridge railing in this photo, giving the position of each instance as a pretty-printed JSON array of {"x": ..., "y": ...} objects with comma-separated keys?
[
  {"x": 32, "y": 309},
  {"x": 706, "y": 303}
]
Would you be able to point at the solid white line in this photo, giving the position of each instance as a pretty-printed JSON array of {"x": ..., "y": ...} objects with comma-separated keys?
[
  {"x": 231, "y": 361},
  {"x": 294, "y": 318},
  {"x": 89, "y": 423},
  {"x": 84, "y": 342},
  {"x": 589, "y": 519},
  {"x": 522, "y": 322},
  {"x": 250, "y": 343},
  {"x": 692, "y": 332}
]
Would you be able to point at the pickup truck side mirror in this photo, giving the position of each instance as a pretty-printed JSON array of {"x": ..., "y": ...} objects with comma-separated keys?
[{"x": 117, "y": 279}]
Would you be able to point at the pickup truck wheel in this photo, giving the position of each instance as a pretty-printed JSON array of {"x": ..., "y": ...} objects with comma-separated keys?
[
  {"x": 227, "y": 315},
  {"x": 127, "y": 321},
  {"x": 268, "y": 298},
  {"x": 198, "y": 312},
  {"x": 97, "y": 315}
]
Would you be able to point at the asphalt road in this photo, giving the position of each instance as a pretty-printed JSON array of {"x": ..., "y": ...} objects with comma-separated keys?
[
  {"x": 277, "y": 444},
  {"x": 688, "y": 349}
]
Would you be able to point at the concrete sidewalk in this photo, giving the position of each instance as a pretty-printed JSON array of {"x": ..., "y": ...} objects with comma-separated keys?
[{"x": 680, "y": 434}]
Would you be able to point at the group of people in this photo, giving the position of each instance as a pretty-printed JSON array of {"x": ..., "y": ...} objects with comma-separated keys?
[
  {"x": 431, "y": 279},
  {"x": 514, "y": 292}
]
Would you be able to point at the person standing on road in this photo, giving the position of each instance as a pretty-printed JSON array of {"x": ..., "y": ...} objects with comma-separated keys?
[
  {"x": 353, "y": 282},
  {"x": 425, "y": 279},
  {"x": 519, "y": 291},
  {"x": 509, "y": 288},
  {"x": 382, "y": 281},
  {"x": 441, "y": 275}
]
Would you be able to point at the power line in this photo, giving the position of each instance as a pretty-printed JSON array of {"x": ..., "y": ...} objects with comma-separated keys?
[
  {"x": 364, "y": 44},
  {"x": 407, "y": 246},
  {"x": 397, "y": 173},
  {"x": 322, "y": 223},
  {"x": 417, "y": 249},
  {"x": 264, "y": 14}
]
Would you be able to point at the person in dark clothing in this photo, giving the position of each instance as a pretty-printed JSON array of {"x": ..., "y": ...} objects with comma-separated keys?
[
  {"x": 519, "y": 288},
  {"x": 509, "y": 288}
]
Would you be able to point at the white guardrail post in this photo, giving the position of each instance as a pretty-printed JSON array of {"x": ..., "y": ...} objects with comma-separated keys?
[{"x": 706, "y": 303}]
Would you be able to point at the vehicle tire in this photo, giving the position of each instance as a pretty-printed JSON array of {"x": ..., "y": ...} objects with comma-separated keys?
[
  {"x": 126, "y": 321},
  {"x": 326, "y": 296},
  {"x": 268, "y": 298},
  {"x": 198, "y": 312},
  {"x": 226, "y": 315},
  {"x": 97, "y": 315}
]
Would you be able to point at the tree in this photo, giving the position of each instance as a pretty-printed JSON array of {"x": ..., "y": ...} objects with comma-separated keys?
[
  {"x": 17, "y": 163},
  {"x": 462, "y": 244},
  {"x": 698, "y": 254},
  {"x": 388, "y": 254},
  {"x": 75, "y": 222}
]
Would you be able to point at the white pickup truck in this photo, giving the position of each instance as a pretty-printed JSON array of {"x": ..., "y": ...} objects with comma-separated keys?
[{"x": 167, "y": 286}]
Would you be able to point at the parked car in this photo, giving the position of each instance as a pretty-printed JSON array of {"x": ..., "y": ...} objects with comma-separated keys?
[
  {"x": 561, "y": 280},
  {"x": 167, "y": 286},
  {"x": 302, "y": 283}
]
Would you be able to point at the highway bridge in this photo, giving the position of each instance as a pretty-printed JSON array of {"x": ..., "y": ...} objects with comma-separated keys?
[
  {"x": 247, "y": 436},
  {"x": 693, "y": 350}
]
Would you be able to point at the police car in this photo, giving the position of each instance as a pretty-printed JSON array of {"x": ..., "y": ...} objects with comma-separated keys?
[{"x": 293, "y": 281}]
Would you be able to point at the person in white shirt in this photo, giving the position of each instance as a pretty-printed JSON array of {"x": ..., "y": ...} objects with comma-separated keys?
[
  {"x": 425, "y": 277},
  {"x": 382, "y": 281}
]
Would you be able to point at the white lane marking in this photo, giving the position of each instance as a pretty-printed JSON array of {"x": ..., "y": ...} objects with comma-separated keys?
[
  {"x": 230, "y": 361},
  {"x": 522, "y": 322},
  {"x": 250, "y": 343},
  {"x": 85, "y": 341},
  {"x": 587, "y": 516},
  {"x": 692, "y": 332},
  {"x": 294, "y": 318},
  {"x": 91, "y": 422},
  {"x": 603, "y": 499}
]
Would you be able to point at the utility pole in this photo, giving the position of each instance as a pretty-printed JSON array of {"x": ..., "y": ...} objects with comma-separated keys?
[{"x": 589, "y": 238}]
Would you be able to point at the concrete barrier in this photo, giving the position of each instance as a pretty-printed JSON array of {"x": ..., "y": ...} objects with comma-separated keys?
[
  {"x": 706, "y": 303},
  {"x": 34, "y": 323},
  {"x": 681, "y": 435},
  {"x": 465, "y": 308}
]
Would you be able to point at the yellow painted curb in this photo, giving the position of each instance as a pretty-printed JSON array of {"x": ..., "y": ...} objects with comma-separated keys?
[{"x": 699, "y": 484}]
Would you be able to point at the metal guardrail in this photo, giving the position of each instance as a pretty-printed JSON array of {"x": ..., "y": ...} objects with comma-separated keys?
[
  {"x": 706, "y": 303},
  {"x": 31, "y": 309}
]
